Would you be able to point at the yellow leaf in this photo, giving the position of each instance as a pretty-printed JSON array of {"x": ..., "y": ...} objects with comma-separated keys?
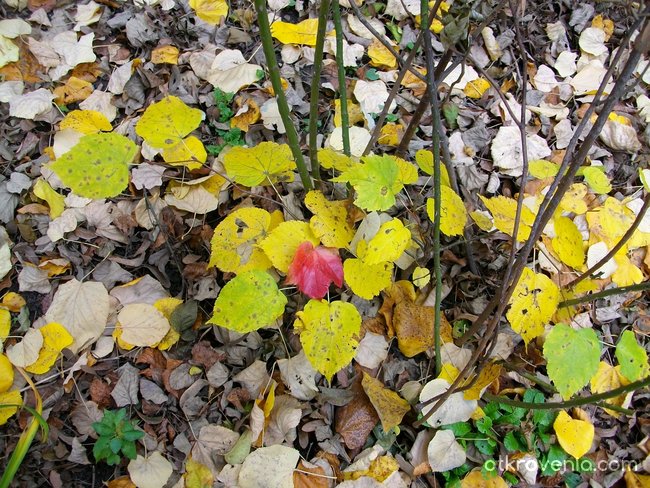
[
  {"x": 44, "y": 191},
  {"x": 606, "y": 379},
  {"x": 10, "y": 400},
  {"x": 380, "y": 469},
  {"x": 380, "y": 56},
  {"x": 389, "y": 243},
  {"x": 74, "y": 90},
  {"x": 55, "y": 267},
  {"x": 6, "y": 373},
  {"x": 504, "y": 210},
  {"x": 330, "y": 159},
  {"x": 421, "y": 277},
  {"x": 264, "y": 164},
  {"x": 391, "y": 134},
  {"x": 197, "y": 475},
  {"x": 567, "y": 242},
  {"x": 330, "y": 221},
  {"x": 234, "y": 246},
  {"x": 282, "y": 242},
  {"x": 475, "y": 479},
  {"x": 55, "y": 339},
  {"x": 574, "y": 199},
  {"x": 355, "y": 115},
  {"x": 390, "y": 407},
  {"x": 5, "y": 324},
  {"x": 533, "y": 303},
  {"x": 407, "y": 173},
  {"x": 597, "y": 180},
  {"x": 476, "y": 88},
  {"x": 627, "y": 273},
  {"x": 413, "y": 326},
  {"x": 605, "y": 25},
  {"x": 486, "y": 376},
  {"x": 575, "y": 436},
  {"x": 329, "y": 334},
  {"x": 166, "y": 123},
  {"x": 453, "y": 215},
  {"x": 483, "y": 221},
  {"x": 449, "y": 372},
  {"x": 167, "y": 306},
  {"x": 210, "y": 11},
  {"x": 86, "y": 122},
  {"x": 165, "y": 54},
  {"x": 636, "y": 480},
  {"x": 301, "y": 33},
  {"x": 13, "y": 302},
  {"x": 424, "y": 159},
  {"x": 367, "y": 280},
  {"x": 609, "y": 222},
  {"x": 189, "y": 152},
  {"x": 246, "y": 116},
  {"x": 541, "y": 168}
]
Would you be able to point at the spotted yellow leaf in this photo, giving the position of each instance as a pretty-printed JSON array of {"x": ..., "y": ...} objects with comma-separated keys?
[
  {"x": 567, "y": 242},
  {"x": 189, "y": 152},
  {"x": 367, "y": 280},
  {"x": 533, "y": 303},
  {"x": 380, "y": 56},
  {"x": 597, "y": 180},
  {"x": 389, "y": 243},
  {"x": 390, "y": 407},
  {"x": 453, "y": 215},
  {"x": 476, "y": 88},
  {"x": 235, "y": 243},
  {"x": 504, "y": 210},
  {"x": 574, "y": 199},
  {"x": 166, "y": 123},
  {"x": 265, "y": 164},
  {"x": 329, "y": 334},
  {"x": 330, "y": 220},
  {"x": 541, "y": 168},
  {"x": 424, "y": 160},
  {"x": 86, "y": 122},
  {"x": 10, "y": 401}
]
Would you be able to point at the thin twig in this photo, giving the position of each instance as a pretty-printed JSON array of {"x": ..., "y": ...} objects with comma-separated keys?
[
  {"x": 340, "y": 68},
  {"x": 619, "y": 290}
]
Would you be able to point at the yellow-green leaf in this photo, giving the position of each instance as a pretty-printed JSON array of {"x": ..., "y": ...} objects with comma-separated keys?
[
  {"x": 367, "y": 280},
  {"x": 6, "y": 373},
  {"x": 98, "y": 166},
  {"x": 301, "y": 33},
  {"x": 55, "y": 339},
  {"x": 10, "y": 400},
  {"x": 533, "y": 303},
  {"x": 567, "y": 242},
  {"x": 197, "y": 475},
  {"x": 330, "y": 159},
  {"x": 329, "y": 334},
  {"x": 575, "y": 436},
  {"x": 390, "y": 407},
  {"x": 264, "y": 164},
  {"x": 424, "y": 160},
  {"x": 55, "y": 201},
  {"x": 504, "y": 210},
  {"x": 211, "y": 11},
  {"x": 282, "y": 242},
  {"x": 248, "y": 302},
  {"x": 166, "y": 123},
  {"x": 632, "y": 357},
  {"x": 376, "y": 181},
  {"x": 453, "y": 215},
  {"x": 388, "y": 244},
  {"x": 234, "y": 246},
  {"x": 86, "y": 122},
  {"x": 541, "y": 168},
  {"x": 597, "y": 180},
  {"x": 330, "y": 221},
  {"x": 189, "y": 152}
]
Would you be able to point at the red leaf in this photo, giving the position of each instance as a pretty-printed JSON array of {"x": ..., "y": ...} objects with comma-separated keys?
[{"x": 314, "y": 269}]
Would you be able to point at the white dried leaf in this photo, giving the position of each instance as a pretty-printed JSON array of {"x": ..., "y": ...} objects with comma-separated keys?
[
  {"x": 147, "y": 176},
  {"x": 119, "y": 78},
  {"x": 271, "y": 116},
  {"x": 361, "y": 30},
  {"x": 620, "y": 137},
  {"x": 589, "y": 77},
  {"x": 595, "y": 253},
  {"x": 455, "y": 409},
  {"x": 78, "y": 453},
  {"x": 126, "y": 388},
  {"x": 269, "y": 467},
  {"x": 371, "y": 95},
  {"x": 278, "y": 4},
  {"x": 444, "y": 452},
  {"x": 351, "y": 52},
  {"x": 74, "y": 51},
  {"x": 152, "y": 392},
  {"x": 9, "y": 52},
  {"x": 253, "y": 378},
  {"x": 282, "y": 423},
  {"x": 193, "y": 197},
  {"x": 150, "y": 472},
  {"x": 563, "y": 133},
  {"x": 18, "y": 183},
  {"x": 299, "y": 375},
  {"x": 506, "y": 150},
  {"x": 372, "y": 350},
  {"x": 100, "y": 101},
  {"x": 35, "y": 279},
  {"x": 25, "y": 352},
  {"x": 82, "y": 308},
  {"x": 642, "y": 104},
  {"x": 31, "y": 105},
  {"x": 230, "y": 72},
  {"x": 142, "y": 290},
  {"x": 142, "y": 324},
  {"x": 359, "y": 139},
  {"x": 10, "y": 89},
  {"x": 104, "y": 346},
  {"x": 459, "y": 78},
  {"x": 544, "y": 79},
  {"x": 491, "y": 44},
  {"x": 66, "y": 222},
  {"x": 87, "y": 14},
  {"x": 290, "y": 53},
  {"x": 592, "y": 41},
  {"x": 565, "y": 64},
  {"x": 64, "y": 140}
]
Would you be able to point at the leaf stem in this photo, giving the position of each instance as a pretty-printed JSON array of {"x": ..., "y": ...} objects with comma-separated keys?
[
  {"x": 315, "y": 86},
  {"x": 619, "y": 290},
  {"x": 340, "y": 68},
  {"x": 276, "y": 81}
]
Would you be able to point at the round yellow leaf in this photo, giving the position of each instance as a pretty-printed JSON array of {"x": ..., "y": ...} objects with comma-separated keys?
[
  {"x": 476, "y": 88},
  {"x": 86, "y": 122},
  {"x": 189, "y": 152},
  {"x": 421, "y": 277},
  {"x": 475, "y": 479},
  {"x": 165, "y": 55},
  {"x": 567, "y": 242},
  {"x": 367, "y": 280},
  {"x": 330, "y": 221},
  {"x": 165, "y": 123},
  {"x": 210, "y": 11},
  {"x": 575, "y": 436},
  {"x": 235, "y": 244},
  {"x": 389, "y": 243},
  {"x": 301, "y": 33},
  {"x": 264, "y": 164},
  {"x": 380, "y": 56}
]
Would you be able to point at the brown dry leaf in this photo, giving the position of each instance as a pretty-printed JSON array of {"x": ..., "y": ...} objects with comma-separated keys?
[
  {"x": 390, "y": 407},
  {"x": 355, "y": 421},
  {"x": 400, "y": 291},
  {"x": 301, "y": 478},
  {"x": 121, "y": 482},
  {"x": 26, "y": 69},
  {"x": 413, "y": 326},
  {"x": 74, "y": 90}
]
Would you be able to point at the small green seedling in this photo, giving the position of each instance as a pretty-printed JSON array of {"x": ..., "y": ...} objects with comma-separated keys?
[
  {"x": 223, "y": 101},
  {"x": 116, "y": 434}
]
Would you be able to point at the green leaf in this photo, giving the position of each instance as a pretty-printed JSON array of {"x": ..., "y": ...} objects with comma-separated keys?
[
  {"x": 572, "y": 358},
  {"x": 250, "y": 301},
  {"x": 129, "y": 450},
  {"x": 597, "y": 180},
  {"x": 132, "y": 435},
  {"x": 372, "y": 75},
  {"x": 450, "y": 112},
  {"x": 632, "y": 357},
  {"x": 512, "y": 442},
  {"x": 115, "y": 444},
  {"x": 329, "y": 334},
  {"x": 98, "y": 166},
  {"x": 184, "y": 316},
  {"x": 375, "y": 182}
]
